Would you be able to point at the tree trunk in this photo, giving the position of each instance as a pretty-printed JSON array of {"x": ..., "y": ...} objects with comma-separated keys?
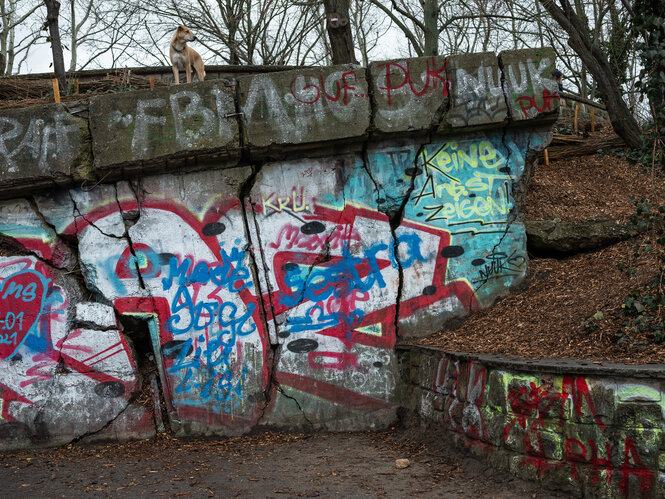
[
  {"x": 232, "y": 23},
  {"x": 431, "y": 14},
  {"x": 539, "y": 23},
  {"x": 73, "y": 44},
  {"x": 52, "y": 11},
  {"x": 596, "y": 62},
  {"x": 339, "y": 31}
]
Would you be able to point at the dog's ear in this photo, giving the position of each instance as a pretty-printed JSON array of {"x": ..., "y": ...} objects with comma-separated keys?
[{"x": 181, "y": 28}]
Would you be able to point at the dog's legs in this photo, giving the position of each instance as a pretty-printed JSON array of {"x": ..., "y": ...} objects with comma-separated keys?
[
  {"x": 188, "y": 71},
  {"x": 200, "y": 73},
  {"x": 176, "y": 75}
]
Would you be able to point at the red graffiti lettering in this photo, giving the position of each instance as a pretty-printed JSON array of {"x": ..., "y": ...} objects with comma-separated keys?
[
  {"x": 572, "y": 455},
  {"x": 310, "y": 93},
  {"x": 535, "y": 403},
  {"x": 597, "y": 462},
  {"x": 290, "y": 236},
  {"x": 579, "y": 390},
  {"x": 433, "y": 76},
  {"x": 632, "y": 465},
  {"x": 528, "y": 102}
]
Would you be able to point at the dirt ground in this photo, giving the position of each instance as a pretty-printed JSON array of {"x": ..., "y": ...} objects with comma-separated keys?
[
  {"x": 266, "y": 465},
  {"x": 550, "y": 316}
]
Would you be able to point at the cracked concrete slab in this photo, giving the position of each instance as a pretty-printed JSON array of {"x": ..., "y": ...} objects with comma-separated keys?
[
  {"x": 191, "y": 251},
  {"x": 296, "y": 107},
  {"x": 42, "y": 147},
  {"x": 151, "y": 127},
  {"x": 529, "y": 83},
  {"x": 477, "y": 98},
  {"x": 408, "y": 93},
  {"x": 320, "y": 313},
  {"x": 53, "y": 372}
]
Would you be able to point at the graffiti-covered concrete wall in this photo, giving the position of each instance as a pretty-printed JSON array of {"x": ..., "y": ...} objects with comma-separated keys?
[
  {"x": 592, "y": 430},
  {"x": 227, "y": 255}
]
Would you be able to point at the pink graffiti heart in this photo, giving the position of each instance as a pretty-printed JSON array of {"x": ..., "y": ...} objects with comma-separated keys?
[{"x": 21, "y": 301}]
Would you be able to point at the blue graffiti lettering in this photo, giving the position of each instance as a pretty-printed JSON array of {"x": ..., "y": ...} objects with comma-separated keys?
[
  {"x": 342, "y": 278},
  {"x": 339, "y": 279},
  {"x": 202, "y": 315},
  {"x": 313, "y": 321},
  {"x": 207, "y": 373},
  {"x": 229, "y": 273}
]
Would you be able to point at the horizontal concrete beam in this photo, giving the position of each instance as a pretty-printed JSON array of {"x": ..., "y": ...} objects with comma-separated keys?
[{"x": 273, "y": 114}]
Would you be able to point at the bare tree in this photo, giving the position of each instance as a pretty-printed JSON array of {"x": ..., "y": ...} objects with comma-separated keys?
[
  {"x": 419, "y": 23},
  {"x": 76, "y": 27},
  {"x": 593, "y": 57},
  {"x": 339, "y": 31},
  {"x": 100, "y": 31},
  {"x": 15, "y": 14},
  {"x": 424, "y": 23},
  {"x": 244, "y": 31},
  {"x": 52, "y": 15},
  {"x": 369, "y": 26}
]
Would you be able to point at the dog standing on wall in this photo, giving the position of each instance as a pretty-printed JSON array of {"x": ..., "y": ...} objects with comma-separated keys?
[{"x": 184, "y": 57}]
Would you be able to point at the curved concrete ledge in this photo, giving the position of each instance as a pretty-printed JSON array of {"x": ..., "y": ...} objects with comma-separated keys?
[
  {"x": 593, "y": 430},
  {"x": 550, "y": 366}
]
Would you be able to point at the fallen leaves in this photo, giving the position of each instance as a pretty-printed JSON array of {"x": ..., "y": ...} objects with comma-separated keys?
[{"x": 546, "y": 320}]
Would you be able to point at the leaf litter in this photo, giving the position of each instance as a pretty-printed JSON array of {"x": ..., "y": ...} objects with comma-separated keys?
[{"x": 549, "y": 316}]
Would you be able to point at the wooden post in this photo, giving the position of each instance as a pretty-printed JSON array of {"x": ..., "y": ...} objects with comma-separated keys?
[
  {"x": 77, "y": 86},
  {"x": 152, "y": 82},
  {"x": 593, "y": 123},
  {"x": 56, "y": 89},
  {"x": 547, "y": 158},
  {"x": 577, "y": 111}
]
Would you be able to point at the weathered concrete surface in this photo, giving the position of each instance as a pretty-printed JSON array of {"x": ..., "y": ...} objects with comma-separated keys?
[
  {"x": 277, "y": 298},
  {"x": 58, "y": 382},
  {"x": 299, "y": 107},
  {"x": 335, "y": 359},
  {"x": 270, "y": 294},
  {"x": 410, "y": 94},
  {"x": 282, "y": 114},
  {"x": 477, "y": 98},
  {"x": 151, "y": 126},
  {"x": 172, "y": 249},
  {"x": 596, "y": 431},
  {"x": 42, "y": 146},
  {"x": 95, "y": 315},
  {"x": 531, "y": 88}
]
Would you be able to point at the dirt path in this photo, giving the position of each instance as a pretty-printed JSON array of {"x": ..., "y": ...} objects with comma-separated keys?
[{"x": 266, "y": 465}]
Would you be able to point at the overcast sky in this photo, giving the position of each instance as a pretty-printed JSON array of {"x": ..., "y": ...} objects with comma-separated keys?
[{"x": 391, "y": 46}]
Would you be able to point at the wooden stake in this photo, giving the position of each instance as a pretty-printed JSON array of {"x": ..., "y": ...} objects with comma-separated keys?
[
  {"x": 56, "y": 89},
  {"x": 77, "y": 86},
  {"x": 547, "y": 158},
  {"x": 577, "y": 110},
  {"x": 593, "y": 123},
  {"x": 152, "y": 82}
]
